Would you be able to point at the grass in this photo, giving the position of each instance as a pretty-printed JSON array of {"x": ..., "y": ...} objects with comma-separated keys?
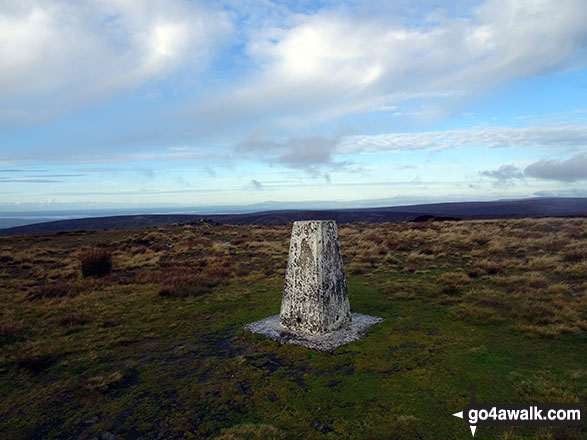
[
  {"x": 156, "y": 348},
  {"x": 10, "y": 331},
  {"x": 96, "y": 262},
  {"x": 72, "y": 319}
]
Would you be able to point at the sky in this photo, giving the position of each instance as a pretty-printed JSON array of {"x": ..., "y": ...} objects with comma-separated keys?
[{"x": 145, "y": 103}]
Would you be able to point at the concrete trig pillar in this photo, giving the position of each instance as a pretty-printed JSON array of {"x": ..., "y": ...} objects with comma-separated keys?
[
  {"x": 315, "y": 311},
  {"x": 315, "y": 299}
]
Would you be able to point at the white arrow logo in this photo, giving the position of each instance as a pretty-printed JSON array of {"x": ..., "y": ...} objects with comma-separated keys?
[{"x": 473, "y": 427}]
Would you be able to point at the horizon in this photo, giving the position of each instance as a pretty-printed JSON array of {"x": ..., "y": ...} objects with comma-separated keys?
[
  {"x": 15, "y": 218},
  {"x": 21, "y": 209},
  {"x": 138, "y": 106}
]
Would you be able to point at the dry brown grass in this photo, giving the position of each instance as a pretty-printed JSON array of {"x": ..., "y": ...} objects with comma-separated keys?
[
  {"x": 418, "y": 257},
  {"x": 467, "y": 292},
  {"x": 544, "y": 389},
  {"x": 476, "y": 314},
  {"x": 104, "y": 383},
  {"x": 529, "y": 271},
  {"x": 525, "y": 284},
  {"x": 453, "y": 282},
  {"x": 532, "y": 272},
  {"x": 33, "y": 362},
  {"x": 96, "y": 262},
  {"x": 73, "y": 319},
  {"x": 182, "y": 278},
  {"x": 252, "y": 431},
  {"x": 544, "y": 262},
  {"x": 137, "y": 258},
  {"x": 53, "y": 290},
  {"x": 574, "y": 255},
  {"x": 11, "y": 331}
]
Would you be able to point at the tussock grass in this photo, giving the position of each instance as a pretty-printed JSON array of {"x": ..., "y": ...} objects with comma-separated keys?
[
  {"x": 73, "y": 319},
  {"x": 478, "y": 313},
  {"x": 453, "y": 282},
  {"x": 11, "y": 331},
  {"x": 184, "y": 278},
  {"x": 544, "y": 389},
  {"x": 574, "y": 255},
  {"x": 104, "y": 383},
  {"x": 544, "y": 262},
  {"x": 33, "y": 362},
  {"x": 96, "y": 262},
  {"x": 250, "y": 431},
  {"x": 53, "y": 290},
  {"x": 418, "y": 257}
]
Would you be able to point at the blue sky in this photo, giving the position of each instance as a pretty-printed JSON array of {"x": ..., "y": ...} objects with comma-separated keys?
[{"x": 144, "y": 103}]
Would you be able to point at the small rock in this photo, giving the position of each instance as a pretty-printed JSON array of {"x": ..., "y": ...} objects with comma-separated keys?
[
  {"x": 178, "y": 349},
  {"x": 107, "y": 435},
  {"x": 91, "y": 420}
]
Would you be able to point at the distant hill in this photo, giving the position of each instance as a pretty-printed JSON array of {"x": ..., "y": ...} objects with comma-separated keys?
[{"x": 537, "y": 207}]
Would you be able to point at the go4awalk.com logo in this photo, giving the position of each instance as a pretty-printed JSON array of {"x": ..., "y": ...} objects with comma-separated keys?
[{"x": 521, "y": 414}]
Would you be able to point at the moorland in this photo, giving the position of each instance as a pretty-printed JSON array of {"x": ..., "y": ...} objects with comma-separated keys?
[
  {"x": 139, "y": 333},
  {"x": 523, "y": 208}
]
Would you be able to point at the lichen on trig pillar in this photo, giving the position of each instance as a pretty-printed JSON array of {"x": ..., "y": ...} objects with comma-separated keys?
[{"x": 315, "y": 299}]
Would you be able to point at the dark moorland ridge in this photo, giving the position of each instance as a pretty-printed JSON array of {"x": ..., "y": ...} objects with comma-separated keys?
[{"x": 537, "y": 207}]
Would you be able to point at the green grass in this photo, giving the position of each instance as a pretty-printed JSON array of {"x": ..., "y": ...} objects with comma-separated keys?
[{"x": 141, "y": 365}]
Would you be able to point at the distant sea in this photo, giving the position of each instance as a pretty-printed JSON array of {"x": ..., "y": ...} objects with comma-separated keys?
[
  {"x": 7, "y": 221},
  {"x": 21, "y": 218},
  {"x": 12, "y": 219}
]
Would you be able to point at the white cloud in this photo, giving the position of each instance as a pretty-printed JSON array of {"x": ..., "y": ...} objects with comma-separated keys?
[
  {"x": 63, "y": 52},
  {"x": 309, "y": 68},
  {"x": 570, "y": 170},
  {"x": 552, "y": 137},
  {"x": 310, "y": 154},
  {"x": 505, "y": 175},
  {"x": 298, "y": 71},
  {"x": 313, "y": 153},
  {"x": 317, "y": 67}
]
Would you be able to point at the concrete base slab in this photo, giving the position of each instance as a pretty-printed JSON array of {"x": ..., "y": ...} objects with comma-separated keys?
[{"x": 354, "y": 331}]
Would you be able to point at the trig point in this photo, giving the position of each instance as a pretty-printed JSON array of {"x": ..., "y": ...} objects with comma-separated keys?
[
  {"x": 315, "y": 299},
  {"x": 315, "y": 309}
]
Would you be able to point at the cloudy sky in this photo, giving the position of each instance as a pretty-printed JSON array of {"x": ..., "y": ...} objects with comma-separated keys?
[{"x": 112, "y": 103}]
